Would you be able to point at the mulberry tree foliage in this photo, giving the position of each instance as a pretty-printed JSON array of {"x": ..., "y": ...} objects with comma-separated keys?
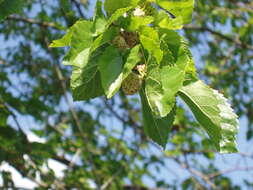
[
  {"x": 127, "y": 65},
  {"x": 135, "y": 47}
]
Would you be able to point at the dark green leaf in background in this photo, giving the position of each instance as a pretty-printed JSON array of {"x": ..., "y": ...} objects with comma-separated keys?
[
  {"x": 8, "y": 7},
  {"x": 3, "y": 116}
]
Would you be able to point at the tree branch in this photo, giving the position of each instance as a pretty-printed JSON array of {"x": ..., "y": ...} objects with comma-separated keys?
[
  {"x": 219, "y": 173},
  {"x": 135, "y": 187},
  {"x": 33, "y": 21},
  {"x": 223, "y": 36},
  {"x": 195, "y": 172},
  {"x": 78, "y": 7}
]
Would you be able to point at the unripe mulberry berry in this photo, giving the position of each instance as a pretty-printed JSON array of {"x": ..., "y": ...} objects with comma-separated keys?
[
  {"x": 132, "y": 84},
  {"x": 131, "y": 38},
  {"x": 120, "y": 42}
]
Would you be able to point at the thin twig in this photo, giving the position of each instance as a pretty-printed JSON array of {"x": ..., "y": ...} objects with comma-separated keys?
[
  {"x": 229, "y": 171},
  {"x": 33, "y": 21},
  {"x": 75, "y": 157},
  {"x": 195, "y": 172},
  {"x": 78, "y": 6},
  {"x": 110, "y": 180},
  {"x": 114, "y": 112},
  {"x": 14, "y": 116},
  {"x": 223, "y": 36},
  {"x": 71, "y": 108}
]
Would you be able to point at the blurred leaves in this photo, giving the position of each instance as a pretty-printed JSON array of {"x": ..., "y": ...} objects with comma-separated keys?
[{"x": 8, "y": 7}]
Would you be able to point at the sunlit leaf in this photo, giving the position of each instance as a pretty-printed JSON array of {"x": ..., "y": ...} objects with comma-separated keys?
[
  {"x": 104, "y": 38},
  {"x": 150, "y": 40},
  {"x": 172, "y": 40},
  {"x": 112, "y": 6},
  {"x": 64, "y": 41},
  {"x": 181, "y": 9},
  {"x": 136, "y": 22},
  {"x": 99, "y": 19},
  {"x": 132, "y": 59},
  {"x": 116, "y": 15},
  {"x": 81, "y": 40},
  {"x": 162, "y": 84},
  {"x": 213, "y": 112}
]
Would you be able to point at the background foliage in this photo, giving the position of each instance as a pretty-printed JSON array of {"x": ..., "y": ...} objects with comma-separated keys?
[{"x": 101, "y": 143}]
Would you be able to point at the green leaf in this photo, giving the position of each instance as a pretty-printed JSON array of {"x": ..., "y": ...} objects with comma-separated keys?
[
  {"x": 185, "y": 60},
  {"x": 172, "y": 40},
  {"x": 161, "y": 86},
  {"x": 110, "y": 66},
  {"x": 163, "y": 20},
  {"x": 81, "y": 59},
  {"x": 99, "y": 19},
  {"x": 104, "y": 38},
  {"x": 150, "y": 40},
  {"x": 214, "y": 113},
  {"x": 156, "y": 128},
  {"x": 113, "y": 5},
  {"x": 136, "y": 22},
  {"x": 3, "y": 117},
  {"x": 64, "y": 41},
  {"x": 180, "y": 50},
  {"x": 181, "y": 9},
  {"x": 8, "y": 7},
  {"x": 98, "y": 13},
  {"x": 116, "y": 15},
  {"x": 81, "y": 40},
  {"x": 85, "y": 81},
  {"x": 132, "y": 59}
]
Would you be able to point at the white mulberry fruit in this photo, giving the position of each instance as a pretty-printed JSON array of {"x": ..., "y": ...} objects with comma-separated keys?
[{"x": 132, "y": 84}]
